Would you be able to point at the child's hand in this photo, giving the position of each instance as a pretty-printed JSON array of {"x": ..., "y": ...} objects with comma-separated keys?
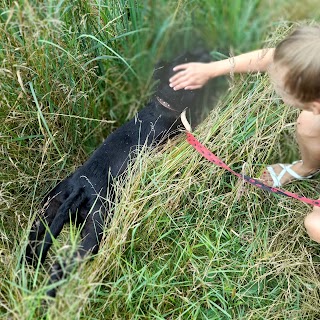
[{"x": 192, "y": 76}]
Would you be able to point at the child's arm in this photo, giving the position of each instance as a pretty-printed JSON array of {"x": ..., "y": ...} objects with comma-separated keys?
[{"x": 194, "y": 75}]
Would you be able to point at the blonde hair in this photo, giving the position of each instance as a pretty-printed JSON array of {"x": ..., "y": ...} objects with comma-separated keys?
[{"x": 300, "y": 54}]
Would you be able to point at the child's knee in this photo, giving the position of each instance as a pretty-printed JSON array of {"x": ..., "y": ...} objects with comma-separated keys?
[
  {"x": 308, "y": 125},
  {"x": 312, "y": 224}
]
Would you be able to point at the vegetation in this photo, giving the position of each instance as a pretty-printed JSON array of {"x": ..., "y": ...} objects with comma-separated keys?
[{"x": 187, "y": 240}]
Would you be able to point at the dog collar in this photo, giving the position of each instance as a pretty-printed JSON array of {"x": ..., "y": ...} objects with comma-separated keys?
[
  {"x": 183, "y": 117},
  {"x": 165, "y": 104}
]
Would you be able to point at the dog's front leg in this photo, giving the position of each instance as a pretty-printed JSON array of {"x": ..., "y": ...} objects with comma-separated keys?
[
  {"x": 43, "y": 221},
  {"x": 91, "y": 233},
  {"x": 62, "y": 216}
]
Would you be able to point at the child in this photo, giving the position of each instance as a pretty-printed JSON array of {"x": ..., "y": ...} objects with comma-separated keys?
[{"x": 294, "y": 69}]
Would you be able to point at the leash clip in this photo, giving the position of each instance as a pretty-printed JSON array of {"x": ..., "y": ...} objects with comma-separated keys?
[{"x": 185, "y": 121}]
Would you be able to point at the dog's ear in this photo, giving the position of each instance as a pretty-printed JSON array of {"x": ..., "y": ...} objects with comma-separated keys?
[
  {"x": 201, "y": 55},
  {"x": 160, "y": 70},
  {"x": 197, "y": 55}
]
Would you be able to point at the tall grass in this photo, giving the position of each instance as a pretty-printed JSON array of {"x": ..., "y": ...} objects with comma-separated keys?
[{"x": 187, "y": 240}]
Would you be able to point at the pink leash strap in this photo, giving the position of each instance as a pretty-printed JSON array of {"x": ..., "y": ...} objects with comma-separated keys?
[{"x": 214, "y": 159}]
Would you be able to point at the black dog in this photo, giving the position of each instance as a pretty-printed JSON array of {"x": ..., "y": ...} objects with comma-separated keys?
[{"x": 87, "y": 195}]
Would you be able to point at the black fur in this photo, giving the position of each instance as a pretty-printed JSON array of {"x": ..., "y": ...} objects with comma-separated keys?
[{"x": 87, "y": 195}]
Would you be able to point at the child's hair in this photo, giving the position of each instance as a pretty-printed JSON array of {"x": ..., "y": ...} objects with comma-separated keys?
[{"x": 300, "y": 54}]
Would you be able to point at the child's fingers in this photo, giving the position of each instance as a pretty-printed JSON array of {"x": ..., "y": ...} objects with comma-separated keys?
[
  {"x": 181, "y": 67},
  {"x": 193, "y": 87},
  {"x": 177, "y": 76},
  {"x": 179, "y": 82},
  {"x": 178, "y": 86},
  {"x": 187, "y": 86},
  {"x": 184, "y": 82}
]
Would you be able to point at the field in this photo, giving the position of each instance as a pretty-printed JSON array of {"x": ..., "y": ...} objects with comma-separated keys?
[{"x": 187, "y": 239}]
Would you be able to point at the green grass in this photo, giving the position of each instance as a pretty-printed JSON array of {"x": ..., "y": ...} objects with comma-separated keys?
[{"x": 187, "y": 241}]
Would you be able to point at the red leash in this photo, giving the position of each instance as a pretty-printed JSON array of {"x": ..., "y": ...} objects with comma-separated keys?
[{"x": 214, "y": 159}]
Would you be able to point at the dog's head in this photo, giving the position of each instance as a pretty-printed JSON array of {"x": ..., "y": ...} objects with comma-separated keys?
[{"x": 180, "y": 99}]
